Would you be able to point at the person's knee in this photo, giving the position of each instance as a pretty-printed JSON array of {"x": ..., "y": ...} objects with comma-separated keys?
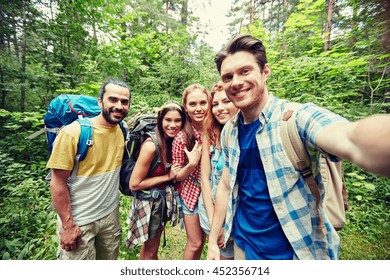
[
  {"x": 196, "y": 244},
  {"x": 149, "y": 255}
]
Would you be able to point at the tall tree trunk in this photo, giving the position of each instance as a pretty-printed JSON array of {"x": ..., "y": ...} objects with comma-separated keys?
[
  {"x": 23, "y": 63},
  {"x": 271, "y": 16},
  {"x": 184, "y": 13},
  {"x": 285, "y": 16},
  {"x": 16, "y": 44},
  {"x": 3, "y": 90},
  {"x": 264, "y": 3},
  {"x": 354, "y": 23},
  {"x": 328, "y": 24},
  {"x": 251, "y": 12}
]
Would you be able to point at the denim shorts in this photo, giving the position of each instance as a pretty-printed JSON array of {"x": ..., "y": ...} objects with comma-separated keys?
[{"x": 187, "y": 211}]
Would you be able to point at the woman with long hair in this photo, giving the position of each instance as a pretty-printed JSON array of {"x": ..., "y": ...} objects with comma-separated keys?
[
  {"x": 187, "y": 149},
  {"x": 219, "y": 113},
  {"x": 155, "y": 200}
]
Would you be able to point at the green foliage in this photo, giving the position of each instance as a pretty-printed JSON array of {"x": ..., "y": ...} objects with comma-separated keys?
[
  {"x": 367, "y": 231},
  {"x": 84, "y": 42},
  {"x": 26, "y": 225}
]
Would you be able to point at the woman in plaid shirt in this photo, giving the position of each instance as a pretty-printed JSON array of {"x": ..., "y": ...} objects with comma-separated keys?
[{"x": 196, "y": 103}]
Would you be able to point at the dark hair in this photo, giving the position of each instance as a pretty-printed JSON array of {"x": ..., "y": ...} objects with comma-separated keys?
[
  {"x": 212, "y": 128},
  {"x": 187, "y": 129},
  {"x": 165, "y": 145},
  {"x": 243, "y": 42},
  {"x": 113, "y": 81}
]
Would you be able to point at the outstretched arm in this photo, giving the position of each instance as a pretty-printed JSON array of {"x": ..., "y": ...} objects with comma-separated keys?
[{"x": 365, "y": 142}]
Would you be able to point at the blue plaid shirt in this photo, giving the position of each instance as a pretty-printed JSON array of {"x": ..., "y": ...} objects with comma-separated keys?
[{"x": 292, "y": 200}]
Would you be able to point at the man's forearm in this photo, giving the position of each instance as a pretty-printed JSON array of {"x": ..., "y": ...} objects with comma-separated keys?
[
  {"x": 221, "y": 203},
  {"x": 364, "y": 142},
  {"x": 61, "y": 196},
  {"x": 62, "y": 204}
]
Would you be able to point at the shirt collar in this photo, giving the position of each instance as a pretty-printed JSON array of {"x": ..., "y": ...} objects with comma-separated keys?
[{"x": 197, "y": 134}]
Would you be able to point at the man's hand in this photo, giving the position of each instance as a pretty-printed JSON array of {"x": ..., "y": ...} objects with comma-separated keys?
[
  {"x": 213, "y": 252},
  {"x": 70, "y": 237}
]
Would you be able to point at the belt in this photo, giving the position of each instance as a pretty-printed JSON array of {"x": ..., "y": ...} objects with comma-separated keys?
[{"x": 151, "y": 194}]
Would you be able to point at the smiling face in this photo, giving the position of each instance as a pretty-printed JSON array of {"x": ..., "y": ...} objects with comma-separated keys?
[
  {"x": 172, "y": 123},
  {"x": 196, "y": 106},
  {"x": 223, "y": 109},
  {"x": 115, "y": 104},
  {"x": 244, "y": 83}
]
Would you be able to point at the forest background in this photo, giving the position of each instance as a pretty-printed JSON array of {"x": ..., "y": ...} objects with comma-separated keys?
[{"x": 334, "y": 53}]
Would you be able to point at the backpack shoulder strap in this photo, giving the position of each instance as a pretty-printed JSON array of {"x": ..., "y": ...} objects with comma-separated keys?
[
  {"x": 156, "y": 159},
  {"x": 291, "y": 139},
  {"x": 85, "y": 140},
  {"x": 124, "y": 128},
  {"x": 295, "y": 149}
]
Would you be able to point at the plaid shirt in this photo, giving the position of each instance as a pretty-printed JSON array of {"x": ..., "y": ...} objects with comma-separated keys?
[
  {"x": 292, "y": 200},
  {"x": 190, "y": 187},
  {"x": 139, "y": 217}
]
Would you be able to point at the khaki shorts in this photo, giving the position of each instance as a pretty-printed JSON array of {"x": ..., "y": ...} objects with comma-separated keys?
[{"x": 100, "y": 240}]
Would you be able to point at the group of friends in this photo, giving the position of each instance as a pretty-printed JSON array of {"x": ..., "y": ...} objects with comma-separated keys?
[{"x": 244, "y": 196}]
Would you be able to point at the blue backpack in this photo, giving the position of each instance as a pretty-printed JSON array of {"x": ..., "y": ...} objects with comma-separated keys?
[{"x": 66, "y": 108}]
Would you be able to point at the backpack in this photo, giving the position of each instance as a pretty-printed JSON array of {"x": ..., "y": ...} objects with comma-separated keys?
[
  {"x": 63, "y": 110},
  {"x": 335, "y": 201},
  {"x": 143, "y": 128}
]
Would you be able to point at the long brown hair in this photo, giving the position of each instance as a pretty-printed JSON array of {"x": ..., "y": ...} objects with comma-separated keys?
[
  {"x": 187, "y": 129},
  {"x": 212, "y": 128},
  {"x": 164, "y": 144}
]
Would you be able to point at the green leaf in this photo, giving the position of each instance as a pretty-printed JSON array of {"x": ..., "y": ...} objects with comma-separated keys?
[
  {"x": 6, "y": 256},
  {"x": 370, "y": 186}
]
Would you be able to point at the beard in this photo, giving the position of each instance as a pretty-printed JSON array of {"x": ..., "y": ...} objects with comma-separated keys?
[{"x": 113, "y": 120}]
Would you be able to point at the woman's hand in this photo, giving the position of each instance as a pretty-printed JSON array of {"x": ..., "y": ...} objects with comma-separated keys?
[
  {"x": 195, "y": 154},
  {"x": 174, "y": 169}
]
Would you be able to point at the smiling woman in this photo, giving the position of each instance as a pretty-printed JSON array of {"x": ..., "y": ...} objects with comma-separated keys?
[
  {"x": 186, "y": 149},
  {"x": 155, "y": 198}
]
